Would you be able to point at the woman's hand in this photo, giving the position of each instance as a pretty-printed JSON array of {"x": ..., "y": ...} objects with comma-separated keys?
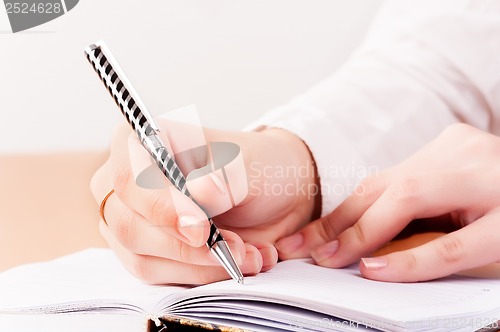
[
  {"x": 452, "y": 182},
  {"x": 160, "y": 235}
]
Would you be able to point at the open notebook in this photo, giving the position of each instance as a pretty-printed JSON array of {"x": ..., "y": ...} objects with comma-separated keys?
[{"x": 296, "y": 295}]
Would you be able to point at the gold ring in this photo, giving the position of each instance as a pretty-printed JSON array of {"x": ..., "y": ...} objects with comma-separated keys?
[{"x": 103, "y": 203}]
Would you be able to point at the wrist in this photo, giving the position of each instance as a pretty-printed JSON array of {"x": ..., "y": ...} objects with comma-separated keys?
[{"x": 306, "y": 174}]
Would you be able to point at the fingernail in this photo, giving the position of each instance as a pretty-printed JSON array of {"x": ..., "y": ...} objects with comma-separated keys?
[
  {"x": 218, "y": 183},
  {"x": 291, "y": 243},
  {"x": 192, "y": 228},
  {"x": 325, "y": 251},
  {"x": 374, "y": 263},
  {"x": 269, "y": 257},
  {"x": 253, "y": 263},
  {"x": 236, "y": 254}
]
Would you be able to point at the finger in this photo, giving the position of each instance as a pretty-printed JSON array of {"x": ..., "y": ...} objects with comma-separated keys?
[
  {"x": 419, "y": 196},
  {"x": 141, "y": 237},
  {"x": 127, "y": 156},
  {"x": 269, "y": 254},
  {"x": 220, "y": 181},
  {"x": 221, "y": 189},
  {"x": 157, "y": 270},
  {"x": 166, "y": 208},
  {"x": 470, "y": 247},
  {"x": 216, "y": 191},
  {"x": 169, "y": 209},
  {"x": 327, "y": 228},
  {"x": 330, "y": 226},
  {"x": 211, "y": 191}
]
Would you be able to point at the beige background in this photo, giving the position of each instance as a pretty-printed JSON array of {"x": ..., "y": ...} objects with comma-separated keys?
[{"x": 42, "y": 217}]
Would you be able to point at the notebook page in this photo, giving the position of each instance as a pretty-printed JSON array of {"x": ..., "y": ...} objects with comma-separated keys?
[
  {"x": 87, "y": 276},
  {"x": 344, "y": 293},
  {"x": 264, "y": 314}
]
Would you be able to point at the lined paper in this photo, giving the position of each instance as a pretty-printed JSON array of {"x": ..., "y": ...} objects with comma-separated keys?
[
  {"x": 344, "y": 293},
  {"x": 295, "y": 295},
  {"x": 92, "y": 277}
]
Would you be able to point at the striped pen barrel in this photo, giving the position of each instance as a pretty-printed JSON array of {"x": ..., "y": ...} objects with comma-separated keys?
[{"x": 142, "y": 123}]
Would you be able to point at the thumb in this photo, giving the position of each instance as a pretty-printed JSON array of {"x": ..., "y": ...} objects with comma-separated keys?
[
  {"x": 324, "y": 231},
  {"x": 223, "y": 184},
  {"x": 211, "y": 191}
]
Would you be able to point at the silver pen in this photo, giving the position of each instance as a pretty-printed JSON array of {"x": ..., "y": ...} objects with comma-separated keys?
[{"x": 142, "y": 123}]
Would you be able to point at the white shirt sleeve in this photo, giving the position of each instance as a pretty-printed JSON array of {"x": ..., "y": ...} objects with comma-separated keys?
[{"x": 424, "y": 65}]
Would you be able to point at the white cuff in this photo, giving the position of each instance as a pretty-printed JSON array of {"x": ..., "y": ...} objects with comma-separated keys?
[{"x": 339, "y": 166}]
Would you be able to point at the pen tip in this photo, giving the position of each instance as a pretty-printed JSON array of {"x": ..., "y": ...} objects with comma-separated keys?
[{"x": 241, "y": 280}]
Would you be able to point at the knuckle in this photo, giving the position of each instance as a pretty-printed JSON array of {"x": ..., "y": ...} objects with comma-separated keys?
[
  {"x": 359, "y": 232},
  {"x": 122, "y": 180},
  {"x": 160, "y": 211},
  {"x": 327, "y": 228},
  {"x": 450, "y": 249},
  {"x": 184, "y": 252},
  {"x": 202, "y": 275},
  {"x": 124, "y": 230},
  {"x": 369, "y": 189},
  {"x": 406, "y": 190},
  {"x": 410, "y": 261}
]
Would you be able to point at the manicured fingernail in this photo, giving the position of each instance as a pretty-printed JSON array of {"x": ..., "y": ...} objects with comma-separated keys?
[
  {"x": 236, "y": 254},
  {"x": 325, "y": 251},
  {"x": 291, "y": 243},
  {"x": 218, "y": 183},
  {"x": 192, "y": 228},
  {"x": 269, "y": 257},
  {"x": 374, "y": 263}
]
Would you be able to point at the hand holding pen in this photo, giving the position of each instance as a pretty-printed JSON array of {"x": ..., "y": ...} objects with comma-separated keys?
[
  {"x": 143, "y": 227},
  {"x": 148, "y": 133}
]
